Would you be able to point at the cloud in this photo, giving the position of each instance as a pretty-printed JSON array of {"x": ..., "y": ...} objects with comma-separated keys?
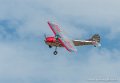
[
  {"x": 90, "y": 14},
  {"x": 23, "y": 62},
  {"x": 93, "y": 14}
]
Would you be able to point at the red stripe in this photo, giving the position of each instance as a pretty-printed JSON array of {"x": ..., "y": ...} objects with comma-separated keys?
[{"x": 51, "y": 27}]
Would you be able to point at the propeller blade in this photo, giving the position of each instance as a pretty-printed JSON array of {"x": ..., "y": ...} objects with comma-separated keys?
[{"x": 45, "y": 36}]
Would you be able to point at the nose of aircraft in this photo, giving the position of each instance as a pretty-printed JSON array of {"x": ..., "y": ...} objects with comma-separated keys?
[{"x": 50, "y": 39}]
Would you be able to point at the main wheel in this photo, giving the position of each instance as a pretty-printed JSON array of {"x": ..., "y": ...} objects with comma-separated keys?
[
  {"x": 50, "y": 46},
  {"x": 55, "y": 52}
]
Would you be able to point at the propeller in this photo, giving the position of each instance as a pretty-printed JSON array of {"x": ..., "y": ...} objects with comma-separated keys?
[{"x": 45, "y": 36}]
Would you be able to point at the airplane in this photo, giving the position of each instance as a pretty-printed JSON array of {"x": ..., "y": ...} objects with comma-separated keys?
[{"x": 60, "y": 40}]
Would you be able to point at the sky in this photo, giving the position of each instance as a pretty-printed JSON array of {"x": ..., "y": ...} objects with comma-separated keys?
[{"x": 25, "y": 58}]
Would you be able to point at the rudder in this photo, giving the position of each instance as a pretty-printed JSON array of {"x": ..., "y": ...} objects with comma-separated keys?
[{"x": 96, "y": 38}]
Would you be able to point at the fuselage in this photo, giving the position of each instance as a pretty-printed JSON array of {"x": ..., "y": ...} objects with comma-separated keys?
[{"x": 51, "y": 41}]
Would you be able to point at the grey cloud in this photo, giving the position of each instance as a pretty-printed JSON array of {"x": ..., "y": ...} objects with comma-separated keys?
[
  {"x": 23, "y": 62},
  {"x": 34, "y": 14}
]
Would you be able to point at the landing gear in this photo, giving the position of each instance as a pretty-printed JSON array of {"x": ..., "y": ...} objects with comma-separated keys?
[
  {"x": 55, "y": 52},
  {"x": 50, "y": 46}
]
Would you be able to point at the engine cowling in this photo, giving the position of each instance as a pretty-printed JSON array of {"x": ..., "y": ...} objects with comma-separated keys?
[{"x": 50, "y": 39}]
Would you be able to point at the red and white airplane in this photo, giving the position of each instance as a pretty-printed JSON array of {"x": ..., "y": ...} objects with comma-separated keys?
[{"x": 60, "y": 40}]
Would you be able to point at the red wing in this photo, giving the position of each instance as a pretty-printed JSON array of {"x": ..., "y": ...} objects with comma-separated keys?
[
  {"x": 67, "y": 43},
  {"x": 54, "y": 28}
]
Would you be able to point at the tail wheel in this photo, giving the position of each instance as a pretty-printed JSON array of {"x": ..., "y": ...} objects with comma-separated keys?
[{"x": 55, "y": 52}]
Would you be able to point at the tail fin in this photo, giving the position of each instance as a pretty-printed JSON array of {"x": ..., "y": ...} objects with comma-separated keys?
[{"x": 96, "y": 38}]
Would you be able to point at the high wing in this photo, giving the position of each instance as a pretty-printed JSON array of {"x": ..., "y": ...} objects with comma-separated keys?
[{"x": 67, "y": 43}]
